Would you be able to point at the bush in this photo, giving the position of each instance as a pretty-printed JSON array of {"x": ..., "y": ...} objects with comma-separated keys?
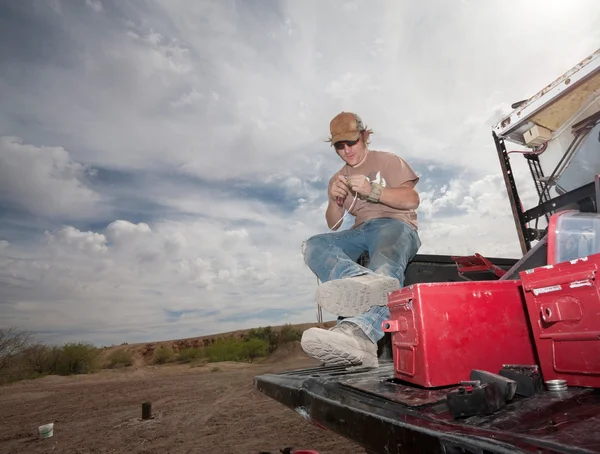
[
  {"x": 163, "y": 355},
  {"x": 13, "y": 342},
  {"x": 78, "y": 358},
  {"x": 254, "y": 348},
  {"x": 265, "y": 334},
  {"x": 224, "y": 349},
  {"x": 187, "y": 355},
  {"x": 119, "y": 358},
  {"x": 41, "y": 359},
  {"x": 231, "y": 349},
  {"x": 23, "y": 359},
  {"x": 289, "y": 334}
]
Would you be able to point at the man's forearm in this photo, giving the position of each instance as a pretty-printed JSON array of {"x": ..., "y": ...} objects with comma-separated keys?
[
  {"x": 333, "y": 214},
  {"x": 402, "y": 198}
]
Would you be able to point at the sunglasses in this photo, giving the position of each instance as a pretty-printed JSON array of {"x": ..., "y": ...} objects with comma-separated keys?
[{"x": 340, "y": 145}]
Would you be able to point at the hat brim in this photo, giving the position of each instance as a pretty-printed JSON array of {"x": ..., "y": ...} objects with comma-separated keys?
[{"x": 350, "y": 135}]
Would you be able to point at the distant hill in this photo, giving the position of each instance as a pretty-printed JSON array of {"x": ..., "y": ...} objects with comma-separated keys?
[{"x": 144, "y": 351}]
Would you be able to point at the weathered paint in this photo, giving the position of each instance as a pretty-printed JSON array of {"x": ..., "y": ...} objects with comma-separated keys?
[
  {"x": 580, "y": 284},
  {"x": 540, "y": 291},
  {"x": 559, "y": 111},
  {"x": 568, "y": 82},
  {"x": 466, "y": 318}
]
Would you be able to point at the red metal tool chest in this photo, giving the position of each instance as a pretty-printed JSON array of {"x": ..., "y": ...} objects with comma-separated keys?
[
  {"x": 442, "y": 331},
  {"x": 564, "y": 309}
]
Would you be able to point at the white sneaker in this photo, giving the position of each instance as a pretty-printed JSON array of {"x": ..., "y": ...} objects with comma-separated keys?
[
  {"x": 344, "y": 344},
  {"x": 355, "y": 295}
]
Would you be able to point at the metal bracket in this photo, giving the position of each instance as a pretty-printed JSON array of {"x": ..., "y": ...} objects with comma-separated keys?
[
  {"x": 578, "y": 195},
  {"x": 597, "y": 186}
]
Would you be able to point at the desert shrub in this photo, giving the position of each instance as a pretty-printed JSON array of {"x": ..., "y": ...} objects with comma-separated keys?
[
  {"x": 224, "y": 349},
  {"x": 21, "y": 358},
  {"x": 119, "y": 358},
  {"x": 289, "y": 334},
  {"x": 53, "y": 358},
  {"x": 163, "y": 355},
  {"x": 265, "y": 334},
  {"x": 12, "y": 344},
  {"x": 231, "y": 349},
  {"x": 36, "y": 358},
  {"x": 187, "y": 355},
  {"x": 77, "y": 358},
  {"x": 40, "y": 359},
  {"x": 254, "y": 348}
]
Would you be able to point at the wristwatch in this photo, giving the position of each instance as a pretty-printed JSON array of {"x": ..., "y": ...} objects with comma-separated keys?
[{"x": 375, "y": 194}]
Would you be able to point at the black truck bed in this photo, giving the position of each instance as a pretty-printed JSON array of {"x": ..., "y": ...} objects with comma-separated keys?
[
  {"x": 376, "y": 411},
  {"x": 384, "y": 415}
]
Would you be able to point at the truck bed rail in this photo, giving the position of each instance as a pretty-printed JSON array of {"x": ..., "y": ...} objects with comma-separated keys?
[{"x": 384, "y": 415}]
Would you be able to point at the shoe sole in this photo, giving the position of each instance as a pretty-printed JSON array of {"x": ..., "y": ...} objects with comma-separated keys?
[
  {"x": 336, "y": 353},
  {"x": 347, "y": 297}
]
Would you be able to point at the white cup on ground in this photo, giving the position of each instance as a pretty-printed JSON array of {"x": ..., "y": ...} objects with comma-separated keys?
[{"x": 47, "y": 430}]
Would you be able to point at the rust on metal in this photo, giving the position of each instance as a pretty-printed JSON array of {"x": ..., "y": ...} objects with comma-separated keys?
[{"x": 565, "y": 78}]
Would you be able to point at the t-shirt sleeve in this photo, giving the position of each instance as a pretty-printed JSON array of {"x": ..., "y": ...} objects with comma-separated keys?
[{"x": 398, "y": 172}]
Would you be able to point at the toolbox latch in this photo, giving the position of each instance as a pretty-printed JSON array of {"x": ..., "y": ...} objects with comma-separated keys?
[
  {"x": 564, "y": 309},
  {"x": 399, "y": 325}
]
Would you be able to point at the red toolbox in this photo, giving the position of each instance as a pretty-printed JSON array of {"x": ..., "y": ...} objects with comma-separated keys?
[
  {"x": 564, "y": 309},
  {"x": 442, "y": 331}
]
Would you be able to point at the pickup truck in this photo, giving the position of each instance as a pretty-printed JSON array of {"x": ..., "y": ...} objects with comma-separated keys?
[{"x": 559, "y": 131}]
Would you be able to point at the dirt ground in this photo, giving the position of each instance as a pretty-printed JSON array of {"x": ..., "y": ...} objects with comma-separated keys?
[{"x": 212, "y": 408}]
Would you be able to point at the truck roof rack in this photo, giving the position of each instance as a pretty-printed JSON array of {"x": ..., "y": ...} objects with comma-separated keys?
[{"x": 555, "y": 104}]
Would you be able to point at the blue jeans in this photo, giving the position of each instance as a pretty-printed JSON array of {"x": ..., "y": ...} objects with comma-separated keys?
[{"x": 391, "y": 244}]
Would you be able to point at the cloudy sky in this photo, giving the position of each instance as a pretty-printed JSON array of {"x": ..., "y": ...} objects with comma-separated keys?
[{"x": 162, "y": 161}]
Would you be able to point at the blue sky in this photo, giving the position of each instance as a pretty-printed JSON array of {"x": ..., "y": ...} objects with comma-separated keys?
[{"x": 161, "y": 162}]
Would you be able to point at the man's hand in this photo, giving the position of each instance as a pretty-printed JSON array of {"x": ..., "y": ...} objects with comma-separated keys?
[
  {"x": 360, "y": 184},
  {"x": 338, "y": 189}
]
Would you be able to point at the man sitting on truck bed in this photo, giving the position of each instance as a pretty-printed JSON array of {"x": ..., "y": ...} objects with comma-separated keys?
[{"x": 378, "y": 188}]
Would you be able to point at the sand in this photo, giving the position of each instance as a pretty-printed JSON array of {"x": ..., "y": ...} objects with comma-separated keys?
[{"x": 212, "y": 408}]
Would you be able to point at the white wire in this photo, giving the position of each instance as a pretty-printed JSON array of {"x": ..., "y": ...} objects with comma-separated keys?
[
  {"x": 345, "y": 214},
  {"x": 319, "y": 313}
]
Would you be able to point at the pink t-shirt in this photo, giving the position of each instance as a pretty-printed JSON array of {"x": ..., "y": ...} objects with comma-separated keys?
[{"x": 390, "y": 171}]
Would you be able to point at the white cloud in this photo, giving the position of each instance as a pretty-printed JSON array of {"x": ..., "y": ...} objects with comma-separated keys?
[
  {"x": 194, "y": 108},
  {"x": 45, "y": 181},
  {"x": 187, "y": 99},
  {"x": 432, "y": 90},
  {"x": 96, "y": 5},
  {"x": 472, "y": 216},
  {"x": 158, "y": 54},
  {"x": 127, "y": 275},
  {"x": 124, "y": 231},
  {"x": 86, "y": 242},
  {"x": 175, "y": 266}
]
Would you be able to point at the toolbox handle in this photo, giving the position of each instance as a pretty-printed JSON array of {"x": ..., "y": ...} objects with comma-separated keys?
[
  {"x": 531, "y": 281},
  {"x": 395, "y": 326},
  {"x": 572, "y": 337},
  {"x": 389, "y": 326}
]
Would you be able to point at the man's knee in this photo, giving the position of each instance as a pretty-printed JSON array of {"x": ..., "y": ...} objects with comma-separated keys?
[{"x": 314, "y": 243}]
